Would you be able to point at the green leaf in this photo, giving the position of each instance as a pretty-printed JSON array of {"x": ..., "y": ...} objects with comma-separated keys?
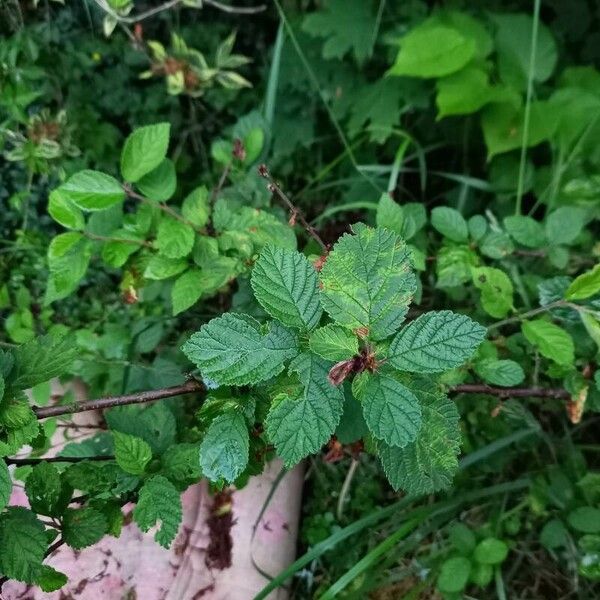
[
  {"x": 159, "y": 500},
  {"x": 453, "y": 264},
  {"x": 301, "y": 425},
  {"x": 389, "y": 214},
  {"x": 45, "y": 491},
  {"x": 450, "y": 223},
  {"x": 115, "y": 254},
  {"x": 174, "y": 239},
  {"x": 67, "y": 270},
  {"x": 497, "y": 244},
  {"x": 367, "y": 282},
  {"x": 196, "y": 207},
  {"x": 186, "y": 290},
  {"x": 92, "y": 190},
  {"x": 5, "y": 485},
  {"x": 63, "y": 211},
  {"x": 391, "y": 411},
  {"x": 429, "y": 463},
  {"x": 585, "y": 519},
  {"x": 160, "y": 183},
  {"x": 333, "y": 342},
  {"x": 584, "y": 286},
  {"x": 82, "y": 527},
  {"x": 500, "y": 372},
  {"x": 554, "y": 534},
  {"x": 234, "y": 350},
  {"x": 225, "y": 447},
  {"x": 432, "y": 51},
  {"x": 513, "y": 45},
  {"x": 160, "y": 267},
  {"x": 348, "y": 26},
  {"x": 525, "y": 230},
  {"x": 180, "y": 464},
  {"x": 564, "y": 224},
  {"x": 144, "y": 150},
  {"x": 15, "y": 439},
  {"x": 22, "y": 544},
  {"x": 131, "y": 453},
  {"x": 454, "y": 575},
  {"x": 285, "y": 285},
  {"x": 496, "y": 290},
  {"x": 490, "y": 551},
  {"x": 462, "y": 538},
  {"x": 436, "y": 341},
  {"x": 51, "y": 580},
  {"x": 40, "y": 360},
  {"x": 15, "y": 411},
  {"x": 551, "y": 341}
]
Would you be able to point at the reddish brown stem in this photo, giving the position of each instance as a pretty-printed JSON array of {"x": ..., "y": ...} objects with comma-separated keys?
[
  {"x": 53, "y": 459},
  {"x": 101, "y": 403},
  {"x": 482, "y": 388}
]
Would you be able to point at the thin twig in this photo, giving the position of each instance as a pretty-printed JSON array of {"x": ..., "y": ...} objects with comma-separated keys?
[
  {"x": 346, "y": 488},
  {"x": 482, "y": 388},
  {"x": 53, "y": 459},
  {"x": 217, "y": 190},
  {"x": 101, "y": 403},
  {"x": 296, "y": 213},
  {"x": 104, "y": 238}
]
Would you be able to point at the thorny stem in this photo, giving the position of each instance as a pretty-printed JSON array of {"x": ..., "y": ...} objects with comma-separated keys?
[
  {"x": 296, "y": 213},
  {"x": 482, "y": 388},
  {"x": 101, "y": 403}
]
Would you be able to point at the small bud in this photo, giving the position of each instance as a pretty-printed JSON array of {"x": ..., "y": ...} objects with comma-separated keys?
[
  {"x": 292, "y": 219},
  {"x": 239, "y": 151},
  {"x": 263, "y": 171},
  {"x": 130, "y": 295},
  {"x": 271, "y": 187}
]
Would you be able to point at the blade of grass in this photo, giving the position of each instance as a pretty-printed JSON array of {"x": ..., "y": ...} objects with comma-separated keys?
[{"x": 273, "y": 81}]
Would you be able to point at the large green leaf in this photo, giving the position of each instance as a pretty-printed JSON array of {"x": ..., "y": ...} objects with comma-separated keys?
[
  {"x": 367, "y": 282},
  {"x": 500, "y": 372},
  {"x": 64, "y": 211},
  {"x": 429, "y": 463},
  {"x": 391, "y": 410},
  {"x": 552, "y": 341},
  {"x": 82, "y": 527},
  {"x": 564, "y": 224},
  {"x": 144, "y": 150},
  {"x": 432, "y": 51},
  {"x": 92, "y": 190},
  {"x": 160, "y": 184},
  {"x": 333, "y": 342},
  {"x": 285, "y": 285},
  {"x": 22, "y": 544},
  {"x": 301, "y": 425},
  {"x": 225, "y": 447},
  {"x": 159, "y": 501},
  {"x": 234, "y": 350},
  {"x": 436, "y": 341},
  {"x": 584, "y": 286},
  {"x": 186, "y": 290},
  {"x": 525, "y": 230}
]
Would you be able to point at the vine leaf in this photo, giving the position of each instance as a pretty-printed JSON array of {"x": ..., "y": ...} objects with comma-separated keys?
[
  {"x": 234, "y": 350},
  {"x": 159, "y": 500},
  {"x": 22, "y": 544},
  {"x": 429, "y": 463},
  {"x": 367, "y": 282},
  {"x": 299, "y": 426},
  {"x": 225, "y": 447},
  {"x": 436, "y": 341},
  {"x": 285, "y": 285},
  {"x": 333, "y": 342},
  {"x": 391, "y": 411}
]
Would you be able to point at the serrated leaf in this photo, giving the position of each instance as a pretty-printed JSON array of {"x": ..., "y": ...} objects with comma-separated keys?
[
  {"x": 285, "y": 285},
  {"x": 186, "y": 290},
  {"x": 13, "y": 440},
  {"x": 496, "y": 290},
  {"x": 144, "y": 149},
  {"x": 50, "y": 579},
  {"x": 15, "y": 411},
  {"x": 159, "y": 501},
  {"x": 564, "y": 224},
  {"x": 160, "y": 183},
  {"x": 5, "y": 485},
  {"x": 333, "y": 342},
  {"x": 22, "y": 544},
  {"x": 450, "y": 223},
  {"x": 347, "y": 25},
  {"x": 45, "y": 491},
  {"x": 196, "y": 207},
  {"x": 436, "y": 341},
  {"x": 224, "y": 449},
  {"x": 552, "y": 341},
  {"x": 160, "y": 267},
  {"x": 233, "y": 350},
  {"x": 500, "y": 372},
  {"x": 64, "y": 211},
  {"x": 92, "y": 190},
  {"x": 82, "y": 527},
  {"x": 525, "y": 230},
  {"x": 174, "y": 239},
  {"x": 131, "y": 453},
  {"x": 181, "y": 465},
  {"x": 299, "y": 426},
  {"x": 367, "y": 282},
  {"x": 432, "y": 51},
  {"x": 40, "y": 360},
  {"x": 584, "y": 286},
  {"x": 429, "y": 463},
  {"x": 391, "y": 411}
]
